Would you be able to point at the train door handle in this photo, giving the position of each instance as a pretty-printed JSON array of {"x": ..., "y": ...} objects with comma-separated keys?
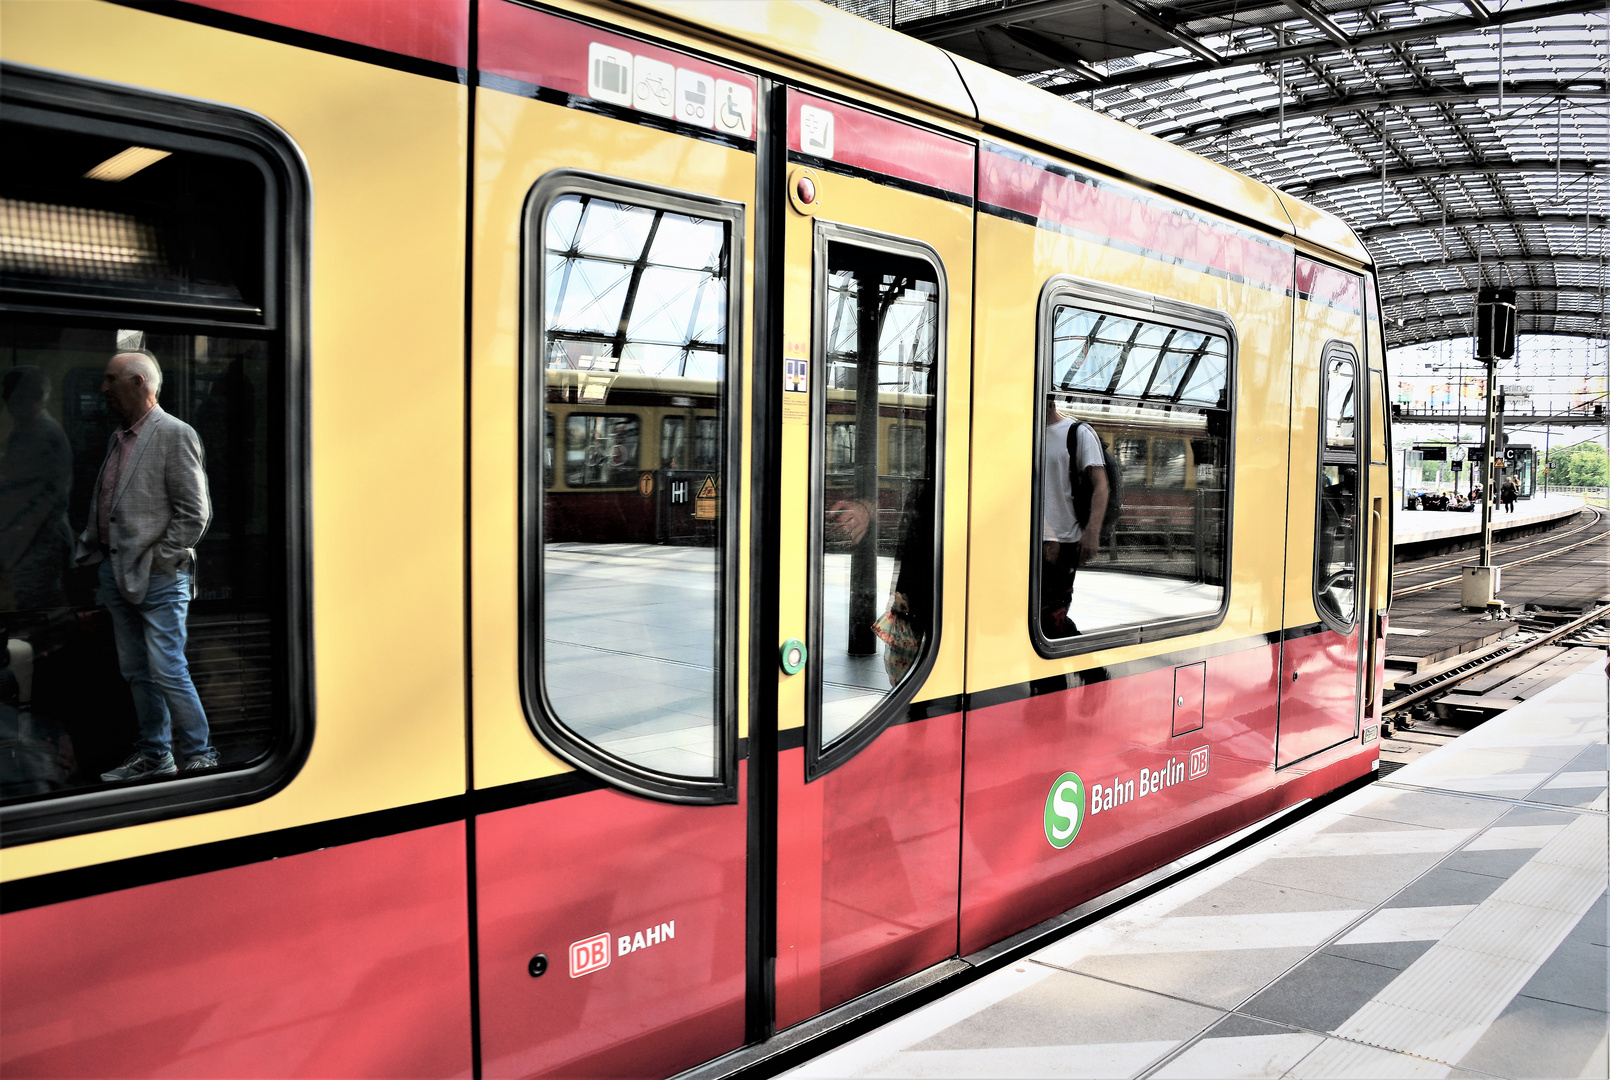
[{"x": 1293, "y": 676}]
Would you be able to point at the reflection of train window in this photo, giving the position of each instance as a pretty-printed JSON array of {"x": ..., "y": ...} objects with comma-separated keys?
[
  {"x": 601, "y": 450},
  {"x": 1131, "y": 455},
  {"x": 840, "y": 446},
  {"x": 547, "y": 448},
  {"x": 674, "y": 442},
  {"x": 706, "y": 442},
  {"x": 906, "y": 447},
  {"x": 675, "y": 453},
  {"x": 1168, "y": 463},
  {"x": 1156, "y": 395}
]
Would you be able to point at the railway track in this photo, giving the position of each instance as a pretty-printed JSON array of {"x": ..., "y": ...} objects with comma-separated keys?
[
  {"x": 1598, "y": 519},
  {"x": 1477, "y": 665}
]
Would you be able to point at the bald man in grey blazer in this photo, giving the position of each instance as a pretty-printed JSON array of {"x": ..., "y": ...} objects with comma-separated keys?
[{"x": 148, "y": 510}]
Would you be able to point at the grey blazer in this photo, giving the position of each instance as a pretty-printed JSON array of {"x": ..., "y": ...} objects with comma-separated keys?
[{"x": 159, "y": 510}]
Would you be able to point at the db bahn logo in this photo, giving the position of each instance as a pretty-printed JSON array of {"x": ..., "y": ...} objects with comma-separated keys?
[
  {"x": 1064, "y": 810},
  {"x": 589, "y": 955}
]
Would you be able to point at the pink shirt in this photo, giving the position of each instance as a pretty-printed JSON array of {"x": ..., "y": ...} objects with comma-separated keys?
[{"x": 113, "y": 472}]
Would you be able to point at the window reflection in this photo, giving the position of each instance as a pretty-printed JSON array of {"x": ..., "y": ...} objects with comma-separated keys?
[
  {"x": 635, "y": 345},
  {"x": 66, "y": 711},
  {"x": 876, "y": 568},
  {"x": 1336, "y": 541},
  {"x": 178, "y": 667},
  {"x": 1144, "y": 540}
]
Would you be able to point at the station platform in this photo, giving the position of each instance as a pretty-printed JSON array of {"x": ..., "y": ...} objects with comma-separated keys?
[
  {"x": 1447, "y": 922},
  {"x": 1422, "y": 526}
]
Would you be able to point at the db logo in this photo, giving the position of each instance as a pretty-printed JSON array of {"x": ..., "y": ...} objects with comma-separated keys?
[
  {"x": 589, "y": 955},
  {"x": 1198, "y": 767}
]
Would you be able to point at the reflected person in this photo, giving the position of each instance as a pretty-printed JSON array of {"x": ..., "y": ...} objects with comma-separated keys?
[
  {"x": 148, "y": 512},
  {"x": 1074, "y": 503},
  {"x": 36, "y": 475}
]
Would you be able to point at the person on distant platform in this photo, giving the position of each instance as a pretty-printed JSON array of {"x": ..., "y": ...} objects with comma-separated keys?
[
  {"x": 1507, "y": 493},
  {"x": 148, "y": 510}
]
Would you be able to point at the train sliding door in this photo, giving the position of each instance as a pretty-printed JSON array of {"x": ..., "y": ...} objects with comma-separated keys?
[
  {"x": 614, "y": 182},
  {"x": 878, "y": 254},
  {"x": 1322, "y": 644}
]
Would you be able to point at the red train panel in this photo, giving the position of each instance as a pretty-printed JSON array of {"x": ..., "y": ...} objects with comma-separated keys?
[
  {"x": 1319, "y": 703},
  {"x": 866, "y": 867},
  {"x": 437, "y": 30},
  {"x": 1144, "y": 796},
  {"x": 350, "y": 961},
  {"x": 650, "y": 895}
]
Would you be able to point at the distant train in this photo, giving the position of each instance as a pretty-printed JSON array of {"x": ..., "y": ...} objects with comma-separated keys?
[{"x": 645, "y": 607}]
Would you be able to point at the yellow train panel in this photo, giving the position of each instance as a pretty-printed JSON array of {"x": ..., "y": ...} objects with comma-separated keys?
[{"x": 519, "y": 142}]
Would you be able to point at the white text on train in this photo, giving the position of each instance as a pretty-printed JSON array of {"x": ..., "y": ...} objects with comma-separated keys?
[
  {"x": 1150, "y": 781},
  {"x": 654, "y": 935}
]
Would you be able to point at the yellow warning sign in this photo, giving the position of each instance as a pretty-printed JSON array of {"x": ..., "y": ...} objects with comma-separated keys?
[{"x": 707, "y": 503}]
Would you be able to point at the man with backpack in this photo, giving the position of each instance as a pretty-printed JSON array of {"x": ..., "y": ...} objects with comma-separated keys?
[{"x": 1074, "y": 503}]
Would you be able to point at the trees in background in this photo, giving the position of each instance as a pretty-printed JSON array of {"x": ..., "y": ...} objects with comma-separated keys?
[{"x": 1582, "y": 465}]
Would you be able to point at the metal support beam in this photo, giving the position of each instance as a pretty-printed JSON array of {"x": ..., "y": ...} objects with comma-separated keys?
[
  {"x": 1577, "y": 167},
  {"x": 1052, "y": 50},
  {"x": 985, "y": 17},
  {"x": 1513, "y": 261},
  {"x": 1422, "y": 30},
  {"x": 1511, "y": 420},
  {"x": 1575, "y": 90},
  {"x": 1410, "y": 229},
  {"x": 1434, "y": 295},
  {"x": 1324, "y": 23},
  {"x": 1179, "y": 37}
]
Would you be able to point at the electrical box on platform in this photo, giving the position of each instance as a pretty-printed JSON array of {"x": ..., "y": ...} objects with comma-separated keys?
[{"x": 1480, "y": 586}]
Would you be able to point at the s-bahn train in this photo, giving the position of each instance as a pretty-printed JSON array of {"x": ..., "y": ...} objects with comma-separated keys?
[{"x": 719, "y": 515}]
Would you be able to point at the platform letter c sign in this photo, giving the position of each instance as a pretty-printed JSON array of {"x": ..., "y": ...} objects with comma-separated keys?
[{"x": 1064, "y": 810}]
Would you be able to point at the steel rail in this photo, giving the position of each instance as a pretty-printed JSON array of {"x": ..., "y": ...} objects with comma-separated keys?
[
  {"x": 1477, "y": 667},
  {"x": 1505, "y": 566},
  {"x": 1507, "y": 549}
]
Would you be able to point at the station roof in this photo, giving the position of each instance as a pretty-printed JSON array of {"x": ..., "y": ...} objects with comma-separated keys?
[{"x": 1467, "y": 143}]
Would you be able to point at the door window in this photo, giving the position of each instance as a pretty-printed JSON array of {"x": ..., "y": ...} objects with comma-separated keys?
[
  {"x": 875, "y": 588},
  {"x": 628, "y": 610},
  {"x": 1336, "y": 537}
]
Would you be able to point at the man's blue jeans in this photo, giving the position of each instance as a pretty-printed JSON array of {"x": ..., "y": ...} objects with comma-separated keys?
[{"x": 150, "y": 654}]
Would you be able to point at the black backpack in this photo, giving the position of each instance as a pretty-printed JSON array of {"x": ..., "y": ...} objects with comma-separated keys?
[{"x": 1081, "y": 487}]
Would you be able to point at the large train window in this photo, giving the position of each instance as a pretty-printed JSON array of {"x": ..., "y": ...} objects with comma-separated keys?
[
  {"x": 601, "y": 450},
  {"x": 151, "y": 604},
  {"x": 1336, "y": 533},
  {"x": 876, "y": 396},
  {"x": 627, "y": 570},
  {"x": 1131, "y": 528}
]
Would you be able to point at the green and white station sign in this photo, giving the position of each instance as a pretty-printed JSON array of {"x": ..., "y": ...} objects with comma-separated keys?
[{"x": 1064, "y": 810}]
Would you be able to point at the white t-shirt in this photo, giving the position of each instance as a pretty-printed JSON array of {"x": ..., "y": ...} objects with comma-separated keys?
[{"x": 1057, "y": 518}]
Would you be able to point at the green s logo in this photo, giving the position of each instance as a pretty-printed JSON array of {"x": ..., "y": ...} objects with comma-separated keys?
[{"x": 1064, "y": 810}]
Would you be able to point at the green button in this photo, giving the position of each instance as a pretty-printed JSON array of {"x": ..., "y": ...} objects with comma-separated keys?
[{"x": 793, "y": 656}]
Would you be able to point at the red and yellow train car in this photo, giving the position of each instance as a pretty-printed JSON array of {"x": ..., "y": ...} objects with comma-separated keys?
[{"x": 634, "y": 435}]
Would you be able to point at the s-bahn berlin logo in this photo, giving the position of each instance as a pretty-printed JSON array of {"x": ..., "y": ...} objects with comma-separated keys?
[
  {"x": 1069, "y": 801},
  {"x": 1064, "y": 810}
]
